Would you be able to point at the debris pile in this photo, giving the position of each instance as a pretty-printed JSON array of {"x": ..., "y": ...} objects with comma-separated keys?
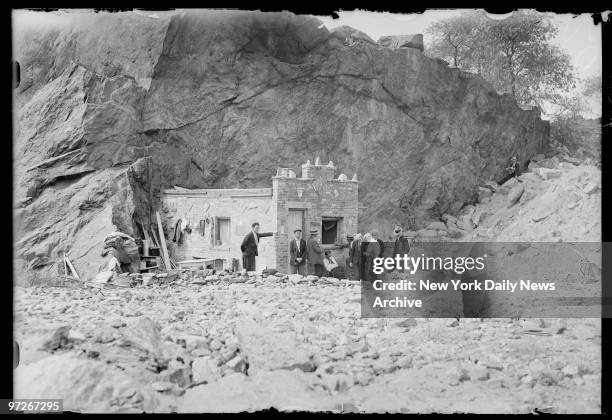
[
  {"x": 556, "y": 199},
  {"x": 234, "y": 347}
]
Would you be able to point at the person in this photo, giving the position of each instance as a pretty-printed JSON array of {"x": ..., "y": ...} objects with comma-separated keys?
[
  {"x": 330, "y": 262},
  {"x": 349, "y": 244},
  {"x": 314, "y": 255},
  {"x": 513, "y": 170},
  {"x": 354, "y": 263},
  {"x": 381, "y": 244},
  {"x": 363, "y": 246},
  {"x": 249, "y": 246},
  {"x": 297, "y": 253},
  {"x": 372, "y": 251},
  {"x": 400, "y": 243}
]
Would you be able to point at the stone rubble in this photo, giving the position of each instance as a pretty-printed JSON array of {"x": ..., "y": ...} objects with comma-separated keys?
[{"x": 223, "y": 346}]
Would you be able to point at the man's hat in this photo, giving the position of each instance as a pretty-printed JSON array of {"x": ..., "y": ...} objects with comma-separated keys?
[
  {"x": 349, "y": 236},
  {"x": 397, "y": 229},
  {"x": 297, "y": 230},
  {"x": 314, "y": 231}
]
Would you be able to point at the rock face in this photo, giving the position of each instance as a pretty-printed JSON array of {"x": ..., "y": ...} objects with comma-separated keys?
[
  {"x": 219, "y": 99},
  {"x": 402, "y": 41}
]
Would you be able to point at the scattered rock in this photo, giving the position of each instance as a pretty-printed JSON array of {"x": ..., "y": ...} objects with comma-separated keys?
[
  {"x": 180, "y": 376},
  {"x": 515, "y": 194},
  {"x": 570, "y": 370},
  {"x": 547, "y": 174},
  {"x": 457, "y": 375},
  {"x": 143, "y": 333},
  {"x": 282, "y": 389},
  {"x": 59, "y": 339},
  {"x": 266, "y": 349},
  {"x": 484, "y": 193},
  {"x": 590, "y": 188},
  {"x": 238, "y": 364},
  {"x": 436, "y": 226},
  {"x": 205, "y": 369}
]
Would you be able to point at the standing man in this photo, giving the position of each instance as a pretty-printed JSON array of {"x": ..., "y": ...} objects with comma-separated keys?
[
  {"x": 400, "y": 245},
  {"x": 349, "y": 244},
  {"x": 372, "y": 251},
  {"x": 297, "y": 254},
  {"x": 354, "y": 260},
  {"x": 363, "y": 246},
  {"x": 315, "y": 255},
  {"x": 249, "y": 246},
  {"x": 381, "y": 244}
]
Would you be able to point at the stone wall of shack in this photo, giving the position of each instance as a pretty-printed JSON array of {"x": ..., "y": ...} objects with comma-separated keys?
[{"x": 242, "y": 207}]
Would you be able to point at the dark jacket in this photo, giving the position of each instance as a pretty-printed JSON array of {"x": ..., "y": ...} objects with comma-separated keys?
[
  {"x": 248, "y": 246},
  {"x": 401, "y": 246},
  {"x": 294, "y": 253},
  {"x": 355, "y": 253},
  {"x": 314, "y": 250},
  {"x": 381, "y": 244},
  {"x": 372, "y": 251}
]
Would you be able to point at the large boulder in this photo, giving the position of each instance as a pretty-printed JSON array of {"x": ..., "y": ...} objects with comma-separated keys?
[
  {"x": 84, "y": 385},
  {"x": 266, "y": 349},
  {"x": 282, "y": 390},
  {"x": 218, "y": 99},
  {"x": 402, "y": 41}
]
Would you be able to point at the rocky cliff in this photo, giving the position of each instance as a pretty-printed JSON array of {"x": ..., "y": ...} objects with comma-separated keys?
[{"x": 111, "y": 107}]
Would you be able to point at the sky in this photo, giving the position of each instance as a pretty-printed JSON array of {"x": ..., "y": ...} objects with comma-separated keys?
[{"x": 578, "y": 36}]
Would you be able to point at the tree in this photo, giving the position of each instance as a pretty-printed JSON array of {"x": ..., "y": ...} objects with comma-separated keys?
[
  {"x": 515, "y": 54},
  {"x": 455, "y": 38}
]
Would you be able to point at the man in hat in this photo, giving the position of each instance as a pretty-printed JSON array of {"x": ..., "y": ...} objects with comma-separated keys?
[
  {"x": 512, "y": 171},
  {"x": 400, "y": 245},
  {"x": 349, "y": 244},
  {"x": 371, "y": 251},
  {"x": 297, "y": 253},
  {"x": 315, "y": 255},
  {"x": 249, "y": 246},
  {"x": 355, "y": 258},
  {"x": 381, "y": 244}
]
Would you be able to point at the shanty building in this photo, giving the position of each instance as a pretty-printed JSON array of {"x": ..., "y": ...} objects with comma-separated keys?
[{"x": 210, "y": 224}]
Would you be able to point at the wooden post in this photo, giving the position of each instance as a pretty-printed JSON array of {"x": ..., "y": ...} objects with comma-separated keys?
[
  {"x": 65, "y": 265},
  {"x": 74, "y": 273},
  {"x": 162, "y": 240}
]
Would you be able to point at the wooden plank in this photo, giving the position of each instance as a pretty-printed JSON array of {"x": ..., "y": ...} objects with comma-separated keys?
[
  {"x": 72, "y": 270},
  {"x": 162, "y": 239},
  {"x": 156, "y": 241},
  {"x": 145, "y": 232},
  {"x": 65, "y": 265}
]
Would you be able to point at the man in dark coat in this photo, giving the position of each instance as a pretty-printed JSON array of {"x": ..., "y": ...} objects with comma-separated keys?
[
  {"x": 372, "y": 251},
  {"x": 512, "y": 171},
  {"x": 381, "y": 244},
  {"x": 347, "y": 262},
  {"x": 249, "y": 246},
  {"x": 363, "y": 246},
  {"x": 297, "y": 254},
  {"x": 354, "y": 258},
  {"x": 401, "y": 245},
  {"x": 316, "y": 265}
]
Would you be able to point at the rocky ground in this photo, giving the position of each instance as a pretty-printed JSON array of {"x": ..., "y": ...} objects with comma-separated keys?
[{"x": 223, "y": 346}]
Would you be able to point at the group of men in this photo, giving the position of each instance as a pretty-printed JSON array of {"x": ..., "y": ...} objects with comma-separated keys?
[
  {"x": 363, "y": 249},
  {"x": 308, "y": 256}
]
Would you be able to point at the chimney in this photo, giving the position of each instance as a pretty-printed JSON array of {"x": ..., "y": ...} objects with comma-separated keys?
[{"x": 310, "y": 171}]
